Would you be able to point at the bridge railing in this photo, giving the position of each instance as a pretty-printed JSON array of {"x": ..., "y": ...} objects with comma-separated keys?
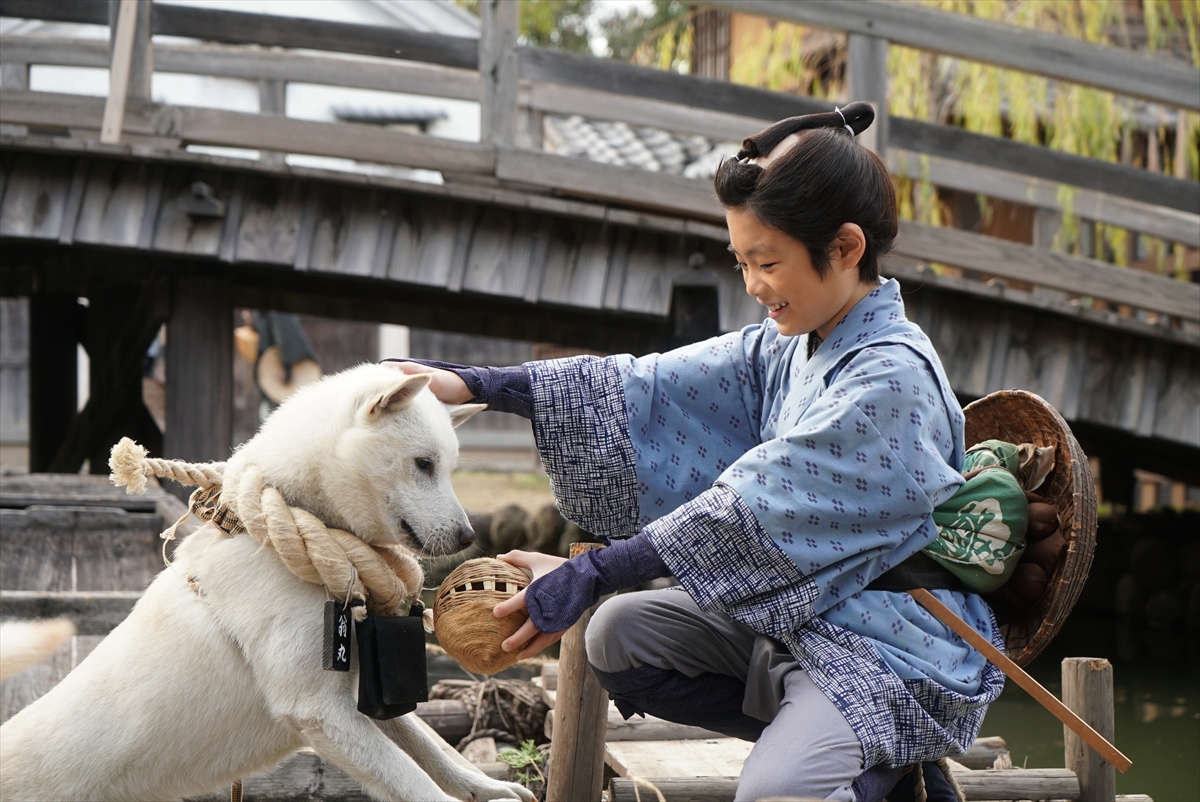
[{"x": 516, "y": 86}]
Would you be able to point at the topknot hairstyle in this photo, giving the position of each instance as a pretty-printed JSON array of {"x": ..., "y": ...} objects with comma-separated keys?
[{"x": 825, "y": 180}]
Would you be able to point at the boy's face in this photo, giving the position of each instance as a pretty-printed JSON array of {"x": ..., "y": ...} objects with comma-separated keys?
[{"x": 779, "y": 274}]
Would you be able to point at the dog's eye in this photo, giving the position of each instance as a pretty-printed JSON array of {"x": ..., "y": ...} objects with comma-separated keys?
[{"x": 425, "y": 465}]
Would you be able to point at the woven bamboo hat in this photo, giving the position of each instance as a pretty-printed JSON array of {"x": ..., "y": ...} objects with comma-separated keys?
[
  {"x": 462, "y": 614},
  {"x": 1016, "y": 416}
]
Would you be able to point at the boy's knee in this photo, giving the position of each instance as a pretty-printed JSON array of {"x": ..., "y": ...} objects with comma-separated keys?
[{"x": 605, "y": 646}]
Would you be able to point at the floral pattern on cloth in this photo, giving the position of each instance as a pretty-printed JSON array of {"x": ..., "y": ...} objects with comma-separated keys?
[
  {"x": 776, "y": 488},
  {"x": 981, "y": 528}
]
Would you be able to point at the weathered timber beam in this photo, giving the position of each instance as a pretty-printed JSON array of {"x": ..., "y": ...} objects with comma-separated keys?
[
  {"x": 1170, "y": 224},
  {"x": 1049, "y": 269},
  {"x": 586, "y": 179},
  {"x": 948, "y": 142},
  {"x": 269, "y": 30},
  {"x": 1051, "y": 55},
  {"x": 242, "y": 130},
  {"x": 92, "y": 612},
  {"x": 123, "y": 357},
  {"x": 1014, "y": 784},
  {"x": 241, "y": 62}
]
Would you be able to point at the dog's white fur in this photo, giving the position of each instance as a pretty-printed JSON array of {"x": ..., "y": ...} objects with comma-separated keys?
[
  {"x": 23, "y": 643},
  {"x": 194, "y": 690}
]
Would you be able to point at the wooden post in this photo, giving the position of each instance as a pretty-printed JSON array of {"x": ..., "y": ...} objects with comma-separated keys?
[
  {"x": 119, "y": 71},
  {"x": 499, "y": 21},
  {"x": 866, "y": 63},
  {"x": 199, "y": 370},
  {"x": 54, "y": 322},
  {"x": 581, "y": 718},
  {"x": 272, "y": 100},
  {"x": 1088, "y": 690}
]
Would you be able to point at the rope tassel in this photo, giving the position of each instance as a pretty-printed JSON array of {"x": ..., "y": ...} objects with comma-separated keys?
[{"x": 346, "y": 566}]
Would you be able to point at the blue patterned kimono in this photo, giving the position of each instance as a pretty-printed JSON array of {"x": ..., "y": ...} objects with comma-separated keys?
[{"x": 776, "y": 488}]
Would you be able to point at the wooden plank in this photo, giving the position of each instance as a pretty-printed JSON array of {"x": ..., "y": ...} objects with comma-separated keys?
[
  {"x": 498, "y": 22},
  {"x": 241, "y": 62},
  {"x": 500, "y": 253},
  {"x": 424, "y": 245},
  {"x": 270, "y": 221},
  {"x": 1121, "y": 180},
  {"x": 1051, "y": 55},
  {"x": 578, "y": 256},
  {"x": 114, "y": 199},
  {"x": 345, "y": 232},
  {"x": 710, "y": 758},
  {"x": 178, "y": 231},
  {"x": 118, "y": 73},
  {"x": 254, "y": 131},
  {"x": 1074, "y": 274},
  {"x": 581, "y": 178},
  {"x": 35, "y": 198},
  {"x": 93, "y": 613},
  {"x": 269, "y": 30},
  {"x": 199, "y": 370},
  {"x": 649, "y": 267},
  {"x": 641, "y": 728},
  {"x": 554, "y": 98},
  {"x": 1175, "y": 417},
  {"x": 1158, "y": 221},
  {"x": 36, "y": 550}
]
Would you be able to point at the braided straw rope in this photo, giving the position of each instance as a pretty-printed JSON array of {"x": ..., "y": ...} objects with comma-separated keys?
[{"x": 343, "y": 564}]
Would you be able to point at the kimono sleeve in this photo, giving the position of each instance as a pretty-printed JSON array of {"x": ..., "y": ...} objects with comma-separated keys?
[{"x": 627, "y": 440}]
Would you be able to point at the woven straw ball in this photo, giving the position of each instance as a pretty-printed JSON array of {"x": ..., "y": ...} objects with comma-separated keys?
[{"x": 462, "y": 614}]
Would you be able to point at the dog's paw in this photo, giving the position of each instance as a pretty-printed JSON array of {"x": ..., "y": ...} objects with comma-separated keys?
[{"x": 498, "y": 791}]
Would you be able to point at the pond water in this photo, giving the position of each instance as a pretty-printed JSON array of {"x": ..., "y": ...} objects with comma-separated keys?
[{"x": 1156, "y": 689}]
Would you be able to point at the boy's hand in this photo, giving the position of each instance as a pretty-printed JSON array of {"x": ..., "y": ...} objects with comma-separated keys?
[
  {"x": 538, "y": 565},
  {"x": 447, "y": 387}
]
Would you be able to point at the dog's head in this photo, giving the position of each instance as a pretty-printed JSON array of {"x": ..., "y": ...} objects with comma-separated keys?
[{"x": 369, "y": 450}]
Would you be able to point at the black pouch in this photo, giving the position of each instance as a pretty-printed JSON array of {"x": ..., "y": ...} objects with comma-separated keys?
[{"x": 391, "y": 665}]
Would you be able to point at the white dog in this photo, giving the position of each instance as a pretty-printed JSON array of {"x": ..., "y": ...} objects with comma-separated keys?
[{"x": 197, "y": 689}]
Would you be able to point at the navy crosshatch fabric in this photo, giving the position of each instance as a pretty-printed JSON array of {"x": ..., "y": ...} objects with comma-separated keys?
[{"x": 776, "y": 488}]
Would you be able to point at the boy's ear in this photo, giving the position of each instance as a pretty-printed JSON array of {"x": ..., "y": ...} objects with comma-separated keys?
[
  {"x": 397, "y": 397},
  {"x": 849, "y": 244},
  {"x": 462, "y": 413}
]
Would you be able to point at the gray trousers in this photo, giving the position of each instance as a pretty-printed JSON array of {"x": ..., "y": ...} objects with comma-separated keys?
[{"x": 807, "y": 750}]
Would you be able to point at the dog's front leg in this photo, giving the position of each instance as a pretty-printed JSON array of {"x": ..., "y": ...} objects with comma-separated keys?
[
  {"x": 458, "y": 781},
  {"x": 353, "y": 742}
]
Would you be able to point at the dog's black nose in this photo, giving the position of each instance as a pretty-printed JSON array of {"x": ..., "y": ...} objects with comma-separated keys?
[{"x": 466, "y": 536}]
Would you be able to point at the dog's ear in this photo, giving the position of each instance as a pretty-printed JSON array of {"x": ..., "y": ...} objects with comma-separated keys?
[
  {"x": 462, "y": 413},
  {"x": 396, "y": 397}
]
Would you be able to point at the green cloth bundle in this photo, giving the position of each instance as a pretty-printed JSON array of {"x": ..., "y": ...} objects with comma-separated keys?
[{"x": 981, "y": 528}]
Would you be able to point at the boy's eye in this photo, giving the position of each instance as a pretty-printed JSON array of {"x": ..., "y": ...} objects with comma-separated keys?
[
  {"x": 767, "y": 267},
  {"x": 739, "y": 266}
]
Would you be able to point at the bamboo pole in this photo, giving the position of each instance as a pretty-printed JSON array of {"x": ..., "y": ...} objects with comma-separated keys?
[
  {"x": 1018, "y": 675},
  {"x": 577, "y": 751}
]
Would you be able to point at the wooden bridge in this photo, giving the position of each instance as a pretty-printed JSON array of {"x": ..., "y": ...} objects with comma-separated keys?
[{"x": 99, "y": 199}]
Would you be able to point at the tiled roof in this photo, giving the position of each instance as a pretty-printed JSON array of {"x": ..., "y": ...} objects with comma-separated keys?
[{"x": 624, "y": 145}]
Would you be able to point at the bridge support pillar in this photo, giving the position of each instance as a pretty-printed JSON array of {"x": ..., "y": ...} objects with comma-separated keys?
[
  {"x": 199, "y": 369},
  {"x": 54, "y": 323}
]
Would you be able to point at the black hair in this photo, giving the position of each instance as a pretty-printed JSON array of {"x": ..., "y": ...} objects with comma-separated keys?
[{"x": 827, "y": 179}]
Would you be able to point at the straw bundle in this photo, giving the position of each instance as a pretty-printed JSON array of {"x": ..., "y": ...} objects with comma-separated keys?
[{"x": 462, "y": 614}]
